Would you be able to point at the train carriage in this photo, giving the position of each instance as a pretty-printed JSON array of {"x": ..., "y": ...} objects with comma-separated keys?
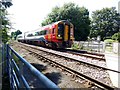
[{"x": 57, "y": 35}]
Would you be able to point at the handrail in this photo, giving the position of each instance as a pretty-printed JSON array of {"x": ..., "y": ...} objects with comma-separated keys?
[{"x": 48, "y": 84}]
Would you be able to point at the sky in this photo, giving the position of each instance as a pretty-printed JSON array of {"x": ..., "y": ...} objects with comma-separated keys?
[{"x": 27, "y": 15}]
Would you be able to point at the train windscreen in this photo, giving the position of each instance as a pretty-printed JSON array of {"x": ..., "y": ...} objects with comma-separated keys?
[{"x": 60, "y": 30}]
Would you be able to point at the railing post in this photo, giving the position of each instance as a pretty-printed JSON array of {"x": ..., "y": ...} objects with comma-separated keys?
[
  {"x": 14, "y": 71},
  {"x": 7, "y": 58},
  {"x": 3, "y": 70}
]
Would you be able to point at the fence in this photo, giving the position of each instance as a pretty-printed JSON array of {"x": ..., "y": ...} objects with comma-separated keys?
[
  {"x": 23, "y": 75},
  {"x": 94, "y": 46},
  {"x": 90, "y": 46}
]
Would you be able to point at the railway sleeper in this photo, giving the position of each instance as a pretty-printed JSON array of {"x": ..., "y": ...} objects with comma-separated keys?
[{"x": 68, "y": 69}]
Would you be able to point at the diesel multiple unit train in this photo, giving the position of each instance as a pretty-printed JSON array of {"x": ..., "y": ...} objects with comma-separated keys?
[{"x": 56, "y": 35}]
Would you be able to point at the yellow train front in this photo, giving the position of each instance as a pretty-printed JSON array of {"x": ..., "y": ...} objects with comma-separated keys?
[{"x": 60, "y": 34}]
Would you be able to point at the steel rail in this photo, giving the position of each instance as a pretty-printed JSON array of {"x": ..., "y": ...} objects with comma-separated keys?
[
  {"x": 75, "y": 60},
  {"x": 98, "y": 83},
  {"x": 84, "y": 54}
]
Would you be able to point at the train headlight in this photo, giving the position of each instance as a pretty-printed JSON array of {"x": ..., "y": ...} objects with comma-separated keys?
[{"x": 59, "y": 35}]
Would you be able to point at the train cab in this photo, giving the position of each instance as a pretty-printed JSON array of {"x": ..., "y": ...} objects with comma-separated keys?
[
  {"x": 60, "y": 34},
  {"x": 65, "y": 33}
]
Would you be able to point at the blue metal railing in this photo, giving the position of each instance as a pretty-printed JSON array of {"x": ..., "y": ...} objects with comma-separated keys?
[{"x": 17, "y": 79}]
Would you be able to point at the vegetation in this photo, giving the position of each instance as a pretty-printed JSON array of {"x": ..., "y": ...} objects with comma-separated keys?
[
  {"x": 75, "y": 46},
  {"x": 5, "y": 24},
  {"x": 104, "y": 23},
  {"x": 109, "y": 41},
  {"x": 79, "y": 16},
  {"x": 116, "y": 36},
  {"x": 15, "y": 34}
]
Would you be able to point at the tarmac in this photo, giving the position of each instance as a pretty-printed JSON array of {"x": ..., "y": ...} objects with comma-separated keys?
[{"x": 113, "y": 62}]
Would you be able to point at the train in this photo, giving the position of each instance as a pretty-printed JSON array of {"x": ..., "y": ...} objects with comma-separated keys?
[{"x": 56, "y": 35}]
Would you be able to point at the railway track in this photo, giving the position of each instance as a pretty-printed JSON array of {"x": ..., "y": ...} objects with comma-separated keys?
[
  {"x": 37, "y": 51},
  {"x": 86, "y": 54},
  {"x": 70, "y": 58}
]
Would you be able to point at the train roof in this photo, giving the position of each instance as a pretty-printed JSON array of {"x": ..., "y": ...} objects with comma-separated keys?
[{"x": 47, "y": 27}]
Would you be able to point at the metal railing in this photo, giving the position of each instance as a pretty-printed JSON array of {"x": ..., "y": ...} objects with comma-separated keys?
[{"x": 17, "y": 68}]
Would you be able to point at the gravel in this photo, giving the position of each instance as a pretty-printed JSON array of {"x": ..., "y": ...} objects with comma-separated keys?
[
  {"x": 99, "y": 74},
  {"x": 62, "y": 79}
]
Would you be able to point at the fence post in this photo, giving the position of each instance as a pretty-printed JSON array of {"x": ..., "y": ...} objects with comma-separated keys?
[{"x": 104, "y": 45}]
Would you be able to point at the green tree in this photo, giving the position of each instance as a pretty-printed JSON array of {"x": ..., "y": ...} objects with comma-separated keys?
[
  {"x": 79, "y": 16},
  {"x": 12, "y": 35},
  {"x": 15, "y": 34},
  {"x": 104, "y": 22},
  {"x": 6, "y": 4},
  {"x": 4, "y": 20}
]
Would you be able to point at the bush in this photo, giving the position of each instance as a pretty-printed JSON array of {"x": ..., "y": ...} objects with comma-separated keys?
[
  {"x": 116, "y": 36},
  {"x": 110, "y": 41},
  {"x": 108, "y": 37}
]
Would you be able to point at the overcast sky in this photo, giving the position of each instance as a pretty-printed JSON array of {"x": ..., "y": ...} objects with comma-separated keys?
[{"x": 27, "y": 15}]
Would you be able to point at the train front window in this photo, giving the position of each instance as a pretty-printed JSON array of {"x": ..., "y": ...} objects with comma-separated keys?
[{"x": 60, "y": 30}]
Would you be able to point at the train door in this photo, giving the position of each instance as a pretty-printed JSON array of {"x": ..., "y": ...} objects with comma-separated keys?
[
  {"x": 67, "y": 33},
  {"x": 49, "y": 35}
]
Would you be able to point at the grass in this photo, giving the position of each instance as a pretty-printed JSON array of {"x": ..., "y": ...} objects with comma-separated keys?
[{"x": 75, "y": 46}]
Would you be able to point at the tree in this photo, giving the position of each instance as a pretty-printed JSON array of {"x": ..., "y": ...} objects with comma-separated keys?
[
  {"x": 12, "y": 35},
  {"x": 4, "y": 20},
  {"x": 79, "y": 16},
  {"x": 15, "y": 34},
  {"x": 7, "y": 4},
  {"x": 105, "y": 22}
]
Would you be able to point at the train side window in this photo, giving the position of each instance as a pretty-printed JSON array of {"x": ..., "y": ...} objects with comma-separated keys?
[
  {"x": 53, "y": 30},
  {"x": 48, "y": 31},
  {"x": 41, "y": 32},
  {"x": 30, "y": 35},
  {"x": 36, "y": 33},
  {"x": 45, "y": 32}
]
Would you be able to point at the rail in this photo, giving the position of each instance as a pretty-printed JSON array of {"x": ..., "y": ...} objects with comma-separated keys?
[{"x": 16, "y": 76}]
